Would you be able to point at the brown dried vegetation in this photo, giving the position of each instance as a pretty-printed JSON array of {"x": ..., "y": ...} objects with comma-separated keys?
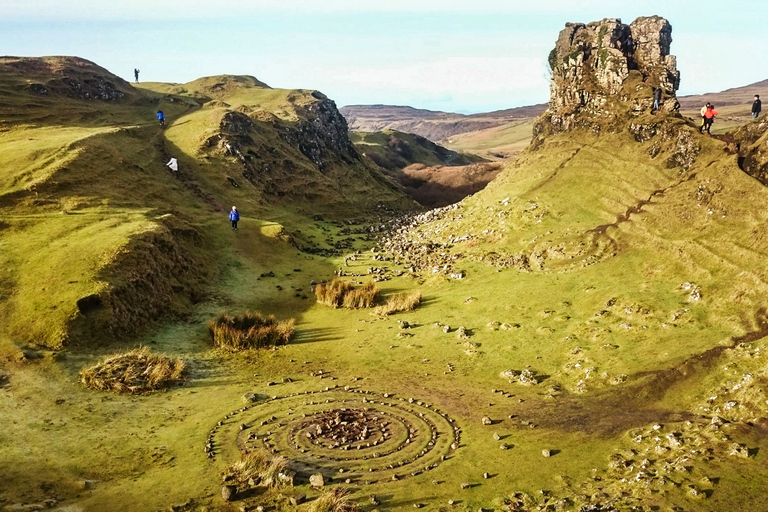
[
  {"x": 334, "y": 500},
  {"x": 398, "y": 303},
  {"x": 136, "y": 371},
  {"x": 259, "y": 466},
  {"x": 340, "y": 293},
  {"x": 249, "y": 331}
]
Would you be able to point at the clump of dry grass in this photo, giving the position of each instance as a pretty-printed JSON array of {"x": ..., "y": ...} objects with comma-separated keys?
[
  {"x": 340, "y": 293},
  {"x": 259, "y": 467},
  {"x": 363, "y": 297},
  {"x": 334, "y": 500},
  {"x": 251, "y": 330},
  {"x": 398, "y": 303},
  {"x": 135, "y": 371}
]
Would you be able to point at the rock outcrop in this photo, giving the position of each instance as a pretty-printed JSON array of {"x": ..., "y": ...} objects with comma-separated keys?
[
  {"x": 751, "y": 141},
  {"x": 322, "y": 133},
  {"x": 605, "y": 71}
]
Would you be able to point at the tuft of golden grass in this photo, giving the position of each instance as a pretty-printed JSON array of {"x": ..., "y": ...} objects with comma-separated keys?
[
  {"x": 135, "y": 371},
  {"x": 250, "y": 330},
  {"x": 398, "y": 303},
  {"x": 340, "y": 293},
  {"x": 259, "y": 466},
  {"x": 332, "y": 294},
  {"x": 363, "y": 297},
  {"x": 334, "y": 500}
]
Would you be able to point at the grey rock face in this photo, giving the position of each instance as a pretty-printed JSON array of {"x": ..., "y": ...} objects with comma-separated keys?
[{"x": 606, "y": 70}]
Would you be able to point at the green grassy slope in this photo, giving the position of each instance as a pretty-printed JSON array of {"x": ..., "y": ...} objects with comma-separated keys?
[
  {"x": 628, "y": 277},
  {"x": 84, "y": 190}
]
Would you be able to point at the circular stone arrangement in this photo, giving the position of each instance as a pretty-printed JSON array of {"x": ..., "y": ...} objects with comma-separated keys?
[{"x": 357, "y": 436}]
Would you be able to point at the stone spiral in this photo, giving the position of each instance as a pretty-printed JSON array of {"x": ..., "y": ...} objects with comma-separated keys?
[{"x": 354, "y": 435}]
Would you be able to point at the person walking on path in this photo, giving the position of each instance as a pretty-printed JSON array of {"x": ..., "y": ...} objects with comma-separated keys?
[
  {"x": 656, "y": 99},
  {"x": 234, "y": 216},
  {"x": 173, "y": 164},
  {"x": 161, "y": 118},
  {"x": 709, "y": 118},
  {"x": 136, "y": 74},
  {"x": 757, "y": 106}
]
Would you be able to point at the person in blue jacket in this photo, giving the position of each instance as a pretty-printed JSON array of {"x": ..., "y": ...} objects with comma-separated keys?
[
  {"x": 161, "y": 117},
  {"x": 234, "y": 216}
]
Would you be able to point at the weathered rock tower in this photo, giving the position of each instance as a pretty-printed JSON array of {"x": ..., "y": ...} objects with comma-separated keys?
[{"x": 605, "y": 72}]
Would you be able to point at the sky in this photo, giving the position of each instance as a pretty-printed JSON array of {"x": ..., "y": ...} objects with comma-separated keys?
[{"x": 456, "y": 56}]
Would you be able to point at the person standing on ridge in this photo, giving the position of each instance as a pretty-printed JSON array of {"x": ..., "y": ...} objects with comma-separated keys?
[
  {"x": 703, "y": 111},
  {"x": 656, "y": 99},
  {"x": 136, "y": 74},
  {"x": 161, "y": 118},
  {"x": 709, "y": 118},
  {"x": 757, "y": 106},
  {"x": 234, "y": 216}
]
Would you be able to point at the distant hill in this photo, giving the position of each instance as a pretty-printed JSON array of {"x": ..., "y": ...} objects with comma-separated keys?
[
  {"x": 741, "y": 96},
  {"x": 488, "y": 134},
  {"x": 392, "y": 149},
  {"x": 432, "y": 174},
  {"x": 434, "y": 125}
]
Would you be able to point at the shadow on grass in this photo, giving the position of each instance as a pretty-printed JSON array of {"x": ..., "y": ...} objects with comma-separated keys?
[{"x": 314, "y": 335}]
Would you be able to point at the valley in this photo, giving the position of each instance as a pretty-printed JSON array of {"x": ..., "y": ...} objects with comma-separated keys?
[{"x": 590, "y": 329}]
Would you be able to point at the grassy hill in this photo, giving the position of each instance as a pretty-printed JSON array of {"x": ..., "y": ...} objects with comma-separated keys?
[
  {"x": 101, "y": 237},
  {"x": 591, "y": 335}
]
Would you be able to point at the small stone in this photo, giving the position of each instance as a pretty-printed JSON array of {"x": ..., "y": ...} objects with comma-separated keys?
[
  {"x": 228, "y": 492},
  {"x": 546, "y": 453},
  {"x": 486, "y": 475},
  {"x": 496, "y": 436},
  {"x": 418, "y": 505},
  {"x": 297, "y": 499},
  {"x": 451, "y": 502},
  {"x": 486, "y": 420},
  {"x": 466, "y": 485},
  {"x": 317, "y": 481}
]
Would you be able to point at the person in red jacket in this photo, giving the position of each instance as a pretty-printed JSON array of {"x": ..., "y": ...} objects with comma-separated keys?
[{"x": 709, "y": 118}]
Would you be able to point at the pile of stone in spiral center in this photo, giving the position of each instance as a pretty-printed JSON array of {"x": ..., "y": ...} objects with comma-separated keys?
[{"x": 346, "y": 428}]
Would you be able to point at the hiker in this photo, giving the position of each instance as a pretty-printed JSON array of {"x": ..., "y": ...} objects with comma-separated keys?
[
  {"x": 656, "y": 99},
  {"x": 234, "y": 216},
  {"x": 173, "y": 164},
  {"x": 136, "y": 74},
  {"x": 709, "y": 118},
  {"x": 161, "y": 118},
  {"x": 757, "y": 106},
  {"x": 703, "y": 111}
]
